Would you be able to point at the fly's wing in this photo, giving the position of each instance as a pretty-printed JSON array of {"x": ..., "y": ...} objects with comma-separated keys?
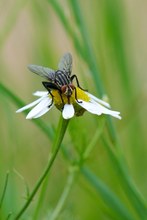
[
  {"x": 65, "y": 63},
  {"x": 45, "y": 72}
]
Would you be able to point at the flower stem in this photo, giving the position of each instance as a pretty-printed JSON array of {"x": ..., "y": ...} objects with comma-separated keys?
[{"x": 55, "y": 148}]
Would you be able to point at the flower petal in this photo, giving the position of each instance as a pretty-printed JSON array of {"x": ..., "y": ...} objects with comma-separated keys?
[
  {"x": 39, "y": 109},
  {"x": 40, "y": 93},
  {"x": 96, "y": 108},
  {"x": 29, "y": 105},
  {"x": 68, "y": 111},
  {"x": 98, "y": 100},
  {"x": 43, "y": 111}
]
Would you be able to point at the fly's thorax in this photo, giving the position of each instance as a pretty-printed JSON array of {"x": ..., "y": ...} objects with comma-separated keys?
[{"x": 62, "y": 78}]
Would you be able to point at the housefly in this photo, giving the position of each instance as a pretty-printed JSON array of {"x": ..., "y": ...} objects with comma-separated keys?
[{"x": 60, "y": 79}]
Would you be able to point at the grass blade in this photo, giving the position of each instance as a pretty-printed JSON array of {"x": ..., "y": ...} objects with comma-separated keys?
[{"x": 107, "y": 195}]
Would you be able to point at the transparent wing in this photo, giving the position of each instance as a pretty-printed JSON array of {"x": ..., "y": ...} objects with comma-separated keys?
[
  {"x": 65, "y": 63},
  {"x": 42, "y": 71}
]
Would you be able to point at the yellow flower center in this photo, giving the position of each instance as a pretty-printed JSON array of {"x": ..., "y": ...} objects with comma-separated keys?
[
  {"x": 61, "y": 99},
  {"x": 77, "y": 91}
]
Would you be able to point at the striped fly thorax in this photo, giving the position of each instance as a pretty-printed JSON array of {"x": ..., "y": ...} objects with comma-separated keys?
[{"x": 62, "y": 78}]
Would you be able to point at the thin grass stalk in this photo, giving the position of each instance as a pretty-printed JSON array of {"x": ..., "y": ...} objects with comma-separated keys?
[
  {"x": 41, "y": 198},
  {"x": 89, "y": 55},
  {"x": 132, "y": 192},
  {"x": 55, "y": 148},
  {"x": 67, "y": 189},
  {"x": 9, "y": 216},
  {"x": 94, "y": 140},
  {"x": 67, "y": 26},
  {"x": 108, "y": 196},
  {"x": 4, "y": 190}
]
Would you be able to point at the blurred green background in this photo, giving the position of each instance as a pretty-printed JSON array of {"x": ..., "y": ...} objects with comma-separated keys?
[{"x": 107, "y": 40}]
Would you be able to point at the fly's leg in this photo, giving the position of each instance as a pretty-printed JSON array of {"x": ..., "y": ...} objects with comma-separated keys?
[
  {"x": 76, "y": 98},
  {"x": 49, "y": 86},
  {"x": 77, "y": 81},
  {"x": 60, "y": 93}
]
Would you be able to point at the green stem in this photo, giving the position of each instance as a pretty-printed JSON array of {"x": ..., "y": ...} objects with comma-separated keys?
[
  {"x": 88, "y": 50},
  {"x": 135, "y": 196},
  {"x": 4, "y": 190},
  {"x": 64, "y": 195},
  {"x": 55, "y": 148},
  {"x": 67, "y": 26},
  {"x": 41, "y": 198},
  {"x": 94, "y": 140},
  {"x": 108, "y": 196}
]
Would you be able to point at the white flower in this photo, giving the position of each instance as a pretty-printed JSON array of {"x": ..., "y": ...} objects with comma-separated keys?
[{"x": 84, "y": 101}]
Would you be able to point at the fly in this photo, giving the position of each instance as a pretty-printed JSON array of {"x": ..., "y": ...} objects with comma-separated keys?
[{"x": 60, "y": 79}]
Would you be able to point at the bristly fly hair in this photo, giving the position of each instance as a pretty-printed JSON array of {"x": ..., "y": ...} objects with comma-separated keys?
[{"x": 60, "y": 79}]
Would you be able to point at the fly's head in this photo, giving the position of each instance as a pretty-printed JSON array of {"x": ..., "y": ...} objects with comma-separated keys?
[{"x": 67, "y": 89}]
